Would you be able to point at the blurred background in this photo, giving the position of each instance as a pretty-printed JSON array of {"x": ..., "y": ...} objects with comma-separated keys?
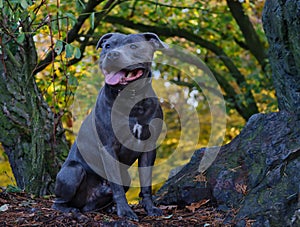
[{"x": 227, "y": 36}]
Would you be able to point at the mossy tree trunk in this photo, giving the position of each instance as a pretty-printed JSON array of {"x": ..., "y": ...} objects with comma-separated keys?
[
  {"x": 30, "y": 134},
  {"x": 281, "y": 20}
]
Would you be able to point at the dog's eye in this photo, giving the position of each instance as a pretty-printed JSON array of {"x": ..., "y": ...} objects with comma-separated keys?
[
  {"x": 107, "y": 46},
  {"x": 133, "y": 46}
]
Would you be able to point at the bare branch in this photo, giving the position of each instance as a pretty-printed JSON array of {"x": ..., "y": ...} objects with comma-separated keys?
[
  {"x": 253, "y": 42},
  {"x": 99, "y": 16},
  {"x": 157, "y": 3}
]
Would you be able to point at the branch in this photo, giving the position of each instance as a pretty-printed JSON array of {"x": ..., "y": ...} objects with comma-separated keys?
[
  {"x": 72, "y": 34},
  {"x": 12, "y": 58},
  {"x": 156, "y": 3},
  {"x": 99, "y": 16},
  {"x": 231, "y": 94},
  {"x": 253, "y": 42}
]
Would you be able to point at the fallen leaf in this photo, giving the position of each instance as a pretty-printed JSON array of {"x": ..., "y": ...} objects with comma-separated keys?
[
  {"x": 170, "y": 207},
  {"x": 4, "y": 207},
  {"x": 39, "y": 211},
  {"x": 195, "y": 206},
  {"x": 241, "y": 188},
  {"x": 3, "y": 201},
  {"x": 168, "y": 217},
  {"x": 200, "y": 178}
]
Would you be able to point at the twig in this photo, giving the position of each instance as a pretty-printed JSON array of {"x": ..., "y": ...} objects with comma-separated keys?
[{"x": 12, "y": 58}]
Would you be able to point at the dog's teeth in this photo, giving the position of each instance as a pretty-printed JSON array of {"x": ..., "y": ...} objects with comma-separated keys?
[{"x": 129, "y": 75}]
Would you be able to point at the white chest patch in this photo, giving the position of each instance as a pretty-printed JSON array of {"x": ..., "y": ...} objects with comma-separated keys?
[{"x": 137, "y": 130}]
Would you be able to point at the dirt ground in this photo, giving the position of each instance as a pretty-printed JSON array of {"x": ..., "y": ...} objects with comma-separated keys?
[{"x": 21, "y": 209}]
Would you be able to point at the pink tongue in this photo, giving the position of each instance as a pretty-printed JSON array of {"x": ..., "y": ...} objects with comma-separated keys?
[{"x": 114, "y": 78}]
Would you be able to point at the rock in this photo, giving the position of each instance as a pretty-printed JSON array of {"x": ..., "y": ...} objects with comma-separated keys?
[
  {"x": 182, "y": 189},
  {"x": 257, "y": 173},
  {"x": 174, "y": 171}
]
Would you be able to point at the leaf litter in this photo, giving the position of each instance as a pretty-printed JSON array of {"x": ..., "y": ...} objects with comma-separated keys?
[{"x": 22, "y": 209}]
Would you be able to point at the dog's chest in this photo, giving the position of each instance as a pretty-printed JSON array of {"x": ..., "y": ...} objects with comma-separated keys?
[
  {"x": 140, "y": 117},
  {"x": 137, "y": 130}
]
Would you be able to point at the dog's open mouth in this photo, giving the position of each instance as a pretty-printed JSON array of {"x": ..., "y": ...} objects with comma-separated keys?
[{"x": 123, "y": 77}]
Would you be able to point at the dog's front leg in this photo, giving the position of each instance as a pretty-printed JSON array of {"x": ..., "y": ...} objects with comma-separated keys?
[
  {"x": 146, "y": 162},
  {"x": 123, "y": 209},
  {"x": 113, "y": 174}
]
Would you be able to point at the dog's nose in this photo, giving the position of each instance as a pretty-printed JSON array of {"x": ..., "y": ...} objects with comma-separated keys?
[{"x": 113, "y": 55}]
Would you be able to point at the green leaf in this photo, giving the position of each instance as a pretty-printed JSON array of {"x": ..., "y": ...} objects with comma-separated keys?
[
  {"x": 92, "y": 20},
  {"x": 71, "y": 16},
  {"x": 1, "y": 4},
  {"x": 32, "y": 15},
  {"x": 80, "y": 5},
  {"x": 77, "y": 53},
  {"x": 13, "y": 189},
  {"x": 73, "y": 80},
  {"x": 69, "y": 50},
  {"x": 24, "y": 4},
  {"x": 21, "y": 38},
  {"x": 54, "y": 26},
  {"x": 58, "y": 47}
]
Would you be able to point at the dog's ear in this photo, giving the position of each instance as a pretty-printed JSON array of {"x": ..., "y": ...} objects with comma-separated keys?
[
  {"x": 103, "y": 40},
  {"x": 157, "y": 43}
]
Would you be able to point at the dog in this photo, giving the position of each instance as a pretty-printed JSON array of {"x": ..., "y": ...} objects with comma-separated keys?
[{"x": 123, "y": 127}]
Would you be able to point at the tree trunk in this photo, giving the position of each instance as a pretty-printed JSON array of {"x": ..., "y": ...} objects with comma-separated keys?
[
  {"x": 29, "y": 132},
  {"x": 281, "y": 20}
]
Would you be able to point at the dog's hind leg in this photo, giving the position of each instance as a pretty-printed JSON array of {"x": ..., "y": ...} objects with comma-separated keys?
[
  {"x": 100, "y": 196},
  {"x": 68, "y": 181}
]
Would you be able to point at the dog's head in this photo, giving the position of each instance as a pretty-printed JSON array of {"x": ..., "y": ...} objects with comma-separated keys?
[{"x": 126, "y": 58}]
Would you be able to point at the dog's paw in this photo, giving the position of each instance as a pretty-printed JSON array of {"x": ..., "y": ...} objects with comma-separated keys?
[
  {"x": 126, "y": 212},
  {"x": 80, "y": 217},
  {"x": 150, "y": 208},
  {"x": 154, "y": 211}
]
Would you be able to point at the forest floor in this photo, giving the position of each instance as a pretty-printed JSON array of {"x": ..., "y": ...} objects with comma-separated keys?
[{"x": 21, "y": 209}]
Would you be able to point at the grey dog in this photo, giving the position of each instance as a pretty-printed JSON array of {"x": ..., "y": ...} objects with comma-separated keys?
[{"x": 122, "y": 128}]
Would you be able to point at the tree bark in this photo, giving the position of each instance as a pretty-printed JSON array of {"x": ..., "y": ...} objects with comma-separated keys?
[
  {"x": 281, "y": 20},
  {"x": 31, "y": 135}
]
